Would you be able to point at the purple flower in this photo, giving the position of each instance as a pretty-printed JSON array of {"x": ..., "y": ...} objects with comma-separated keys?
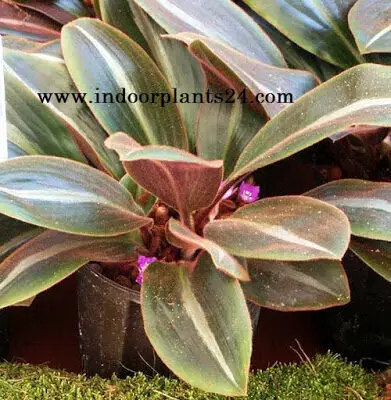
[
  {"x": 228, "y": 193},
  {"x": 142, "y": 263},
  {"x": 248, "y": 193}
]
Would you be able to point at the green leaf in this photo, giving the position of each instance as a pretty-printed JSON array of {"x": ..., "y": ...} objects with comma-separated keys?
[
  {"x": 198, "y": 323},
  {"x": 359, "y": 96},
  {"x": 181, "y": 69},
  {"x": 243, "y": 72},
  {"x": 224, "y": 129},
  {"x": 13, "y": 234},
  {"x": 320, "y": 27},
  {"x": 19, "y": 43},
  {"x": 51, "y": 48},
  {"x": 33, "y": 127},
  {"x": 121, "y": 64},
  {"x": 51, "y": 257},
  {"x": 289, "y": 228},
  {"x": 181, "y": 236},
  {"x": 67, "y": 196},
  {"x": 144, "y": 199},
  {"x": 375, "y": 253},
  {"x": 221, "y": 20},
  {"x": 367, "y": 205},
  {"x": 178, "y": 178},
  {"x": 295, "y": 56},
  {"x": 53, "y": 77},
  {"x": 370, "y": 22},
  {"x": 120, "y": 14},
  {"x": 297, "y": 286},
  {"x": 74, "y": 7}
]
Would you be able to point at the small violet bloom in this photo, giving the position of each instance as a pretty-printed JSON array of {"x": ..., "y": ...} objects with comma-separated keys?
[
  {"x": 142, "y": 263},
  {"x": 248, "y": 193},
  {"x": 228, "y": 193}
]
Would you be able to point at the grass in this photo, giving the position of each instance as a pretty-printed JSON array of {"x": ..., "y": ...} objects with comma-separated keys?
[{"x": 324, "y": 378}]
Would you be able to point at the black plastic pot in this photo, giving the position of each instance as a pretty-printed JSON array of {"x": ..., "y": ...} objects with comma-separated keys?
[
  {"x": 361, "y": 330},
  {"x": 4, "y": 333},
  {"x": 112, "y": 336}
]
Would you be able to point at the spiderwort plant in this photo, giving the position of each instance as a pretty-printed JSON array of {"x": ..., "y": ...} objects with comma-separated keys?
[{"x": 169, "y": 186}]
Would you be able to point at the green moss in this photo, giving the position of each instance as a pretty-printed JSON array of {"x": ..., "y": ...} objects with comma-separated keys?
[{"x": 326, "y": 377}]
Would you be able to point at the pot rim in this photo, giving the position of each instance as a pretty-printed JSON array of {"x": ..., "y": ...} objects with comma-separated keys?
[{"x": 134, "y": 294}]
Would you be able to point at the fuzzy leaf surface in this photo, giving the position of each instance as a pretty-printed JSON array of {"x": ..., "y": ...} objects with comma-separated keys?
[
  {"x": 296, "y": 285},
  {"x": 370, "y": 22},
  {"x": 35, "y": 128},
  {"x": 221, "y": 20},
  {"x": 245, "y": 72},
  {"x": 358, "y": 96},
  {"x": 14, "y": 233},
  {"x": 120, "y": 14},
  {"x": 52, "y": 256},
  {"x": 120, "y": 63},
  {"x": 181, "y": 69},
  {"x": 367, "y": 205},
  {"x": 68, "y": 196},
  {"x": 375, "y": 253},
  {"x": 53, "y": 77},
  {"x": 16, "y": 21},
  {"x": 179, "y": 235},
  {"x": 198, "y": 322},
  {"x": 180, "y": 179},
  {"x": 320, "y": 27},
  {"x": 289, "y": 228}
]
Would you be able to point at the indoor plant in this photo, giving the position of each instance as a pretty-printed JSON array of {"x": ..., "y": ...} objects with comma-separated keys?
[{"x": 291, "y": 243}]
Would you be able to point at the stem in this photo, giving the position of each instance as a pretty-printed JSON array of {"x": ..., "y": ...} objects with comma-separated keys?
[{"x": 203, "y": 215}]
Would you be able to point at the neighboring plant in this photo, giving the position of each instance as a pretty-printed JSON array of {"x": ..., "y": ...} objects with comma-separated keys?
[{"x": 186, "y": 214}]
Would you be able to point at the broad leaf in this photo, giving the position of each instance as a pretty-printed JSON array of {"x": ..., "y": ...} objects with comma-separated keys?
[
  {"x": 52, "y": 256},
  {"x": 16, "y": 21},
  {"x": 53, "y": 77},
  {"x": 291, "y": 228},
  {"x": 33, "y": 127},
  {"x": 120, "y": 64},
  {"x": 13, "y": 234},
  {"x": 181, "y": 236},
  {"x": 296, "y": 286},
  {"x": 67, "y": 196},
  {"x": 52, "y": 48},
  {"x": 218, "y": 19},
  {"x": 367, "y": 205},
  {"x": 19, "y": 43},
  {"x": 198, "y": 323},
  {"x": 320, "y": 27},
  {"x": 120, "y": 14},
  {"x": 370, "y": 22},
  {"x": 359, "y": 96},
  {"x": 75, "y": 7},
  {"x": 61, "y": 11},
  {"x": 178, "y": 178},
  {"x": 285, "y": 85},
  {"x": 224, "y": 129},
  {"x": 295, "y": 56},
  {"x": 375, "y": 253},
  {"x": 181, "y": 69},
  {"x": 144, "y": 199}
]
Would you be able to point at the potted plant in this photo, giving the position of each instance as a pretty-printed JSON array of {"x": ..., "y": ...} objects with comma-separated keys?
[{"x": 173, "y": 205}]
